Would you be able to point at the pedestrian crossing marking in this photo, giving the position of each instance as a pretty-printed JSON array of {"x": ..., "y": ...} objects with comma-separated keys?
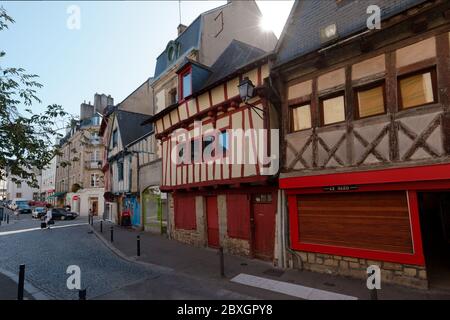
[{"x": 5, "y": 233}]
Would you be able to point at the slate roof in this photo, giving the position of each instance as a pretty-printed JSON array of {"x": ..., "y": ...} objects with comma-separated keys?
[
  {"x": 302, "y": 31},
  {"x": 235, "y": 56},
  {"x": 188, "y": 39},
  {"x": 130, "y": 126}
]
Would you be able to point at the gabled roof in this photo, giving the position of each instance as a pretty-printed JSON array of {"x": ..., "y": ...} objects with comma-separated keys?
[
  {"x": 235, "y": 56},
  {"x": 129, "y": 126},
  {"x": 301, "y": 34}
]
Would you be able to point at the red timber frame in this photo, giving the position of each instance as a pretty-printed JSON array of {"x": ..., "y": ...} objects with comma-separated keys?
[{"x": 411, "y": 180}]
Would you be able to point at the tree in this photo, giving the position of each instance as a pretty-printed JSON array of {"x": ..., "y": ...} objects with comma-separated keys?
[{"x": 25, "y": 137}]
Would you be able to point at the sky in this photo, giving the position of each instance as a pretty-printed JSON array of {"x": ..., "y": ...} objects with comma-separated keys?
[{"x": 113, "y": 51}]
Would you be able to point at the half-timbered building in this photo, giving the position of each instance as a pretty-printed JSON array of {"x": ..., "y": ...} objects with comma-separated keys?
[
  {"x": 218, "y": 201},
  {"x": 366, "y": 127}
]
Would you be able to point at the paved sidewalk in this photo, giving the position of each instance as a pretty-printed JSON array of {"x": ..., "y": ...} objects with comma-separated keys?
[
  {"x": 8, "y": 289},
  {"x": 204, "y": 263}
]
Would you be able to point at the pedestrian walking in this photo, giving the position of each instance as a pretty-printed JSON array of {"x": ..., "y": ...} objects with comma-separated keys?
[{"x": 48, "y": 217}]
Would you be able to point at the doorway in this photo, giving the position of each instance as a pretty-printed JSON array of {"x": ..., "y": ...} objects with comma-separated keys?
[
  {"x": 94, "y": 206},
  {"x": 212, "y": 219},
  {"x": 434, "y": 208},
  {"x": 263, "y": 224}
]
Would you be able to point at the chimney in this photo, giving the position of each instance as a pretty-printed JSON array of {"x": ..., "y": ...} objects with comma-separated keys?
[
  {"x": 181, "y": 28},
  {"x": 101, "y": 101},
  {"x": 86, "y": 111}
]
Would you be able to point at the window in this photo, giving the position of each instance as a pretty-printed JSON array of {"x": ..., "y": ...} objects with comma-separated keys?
[
  {"x": 370, "y": 101},
  {"x": 95, "y": 155},
  {"x": 417, "y": 89},
  {"x": 332, "y": 109},
  {"x": 19, "y": 184},
  {"x": 301, "y": 117},
  {"x": 196, "y": 152},
  {"x": 120, "y": 171},
  {"x": 18, "y": 195},
  {"x": 173, "y": 96},
  {"x": 94, "y": 180},
  {"x": 114, "y": 138},
  {"x": 186, "y": 84},
  {"x": 223, "y": 145},
  {"x": 263, "y": 198}
]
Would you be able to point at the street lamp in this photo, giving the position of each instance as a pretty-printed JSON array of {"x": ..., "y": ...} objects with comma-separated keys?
[{"x": 246, "y": 91}]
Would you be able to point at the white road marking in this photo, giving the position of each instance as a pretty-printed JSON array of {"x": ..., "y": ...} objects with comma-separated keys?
[
  {"x": 5, "y": 233},
  {"x": 290, "y": 289}
]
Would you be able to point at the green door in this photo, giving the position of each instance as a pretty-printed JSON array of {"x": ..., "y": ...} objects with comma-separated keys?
[{"x": 152, "y": 211}]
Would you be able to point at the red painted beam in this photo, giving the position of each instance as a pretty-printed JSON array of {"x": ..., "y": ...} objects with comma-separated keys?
[{"x": 397, "y": 175}]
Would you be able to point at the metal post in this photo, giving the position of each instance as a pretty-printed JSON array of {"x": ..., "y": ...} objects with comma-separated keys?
[
  {"x": 373, "y": 294},
  {"x": 82, "y": 294},
  {"x": 7, "y": 218},
  {"x": 112, "y": 233},
  {"x": 101, "y": 226},
  {"x": 21, "y": 282},
  {"x": 138, "y": 244},
  {"x": 222, "y": 265}
]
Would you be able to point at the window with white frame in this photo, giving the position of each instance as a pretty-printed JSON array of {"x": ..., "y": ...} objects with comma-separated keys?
[{"x": 95, "y": 180}]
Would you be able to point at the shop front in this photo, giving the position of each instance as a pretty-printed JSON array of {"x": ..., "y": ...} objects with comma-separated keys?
[{"x": 346, "y": 221}]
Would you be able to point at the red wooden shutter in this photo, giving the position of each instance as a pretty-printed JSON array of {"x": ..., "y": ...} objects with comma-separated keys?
[
  {"x": 238, "y": 216},
  {"x": 185, "y": 217}
]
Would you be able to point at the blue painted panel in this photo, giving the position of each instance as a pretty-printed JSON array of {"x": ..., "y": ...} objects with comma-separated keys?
[{"x": 131, "y": 204}]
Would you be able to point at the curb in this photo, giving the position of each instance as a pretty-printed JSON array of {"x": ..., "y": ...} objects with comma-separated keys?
[
  {"x": 120, "y": 254},
  {"x": 37, "y": 294}
]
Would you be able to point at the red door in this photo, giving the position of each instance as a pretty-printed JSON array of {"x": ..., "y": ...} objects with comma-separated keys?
[
  {"x": 212, "y": 217},
  {"x": 263, "y": 225}
]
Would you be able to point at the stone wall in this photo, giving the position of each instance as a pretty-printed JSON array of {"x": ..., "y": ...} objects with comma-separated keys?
[{"x": 407, "y": 275}]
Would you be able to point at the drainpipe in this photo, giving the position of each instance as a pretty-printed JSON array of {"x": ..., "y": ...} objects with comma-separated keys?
[{"x": 285, "y": 226}]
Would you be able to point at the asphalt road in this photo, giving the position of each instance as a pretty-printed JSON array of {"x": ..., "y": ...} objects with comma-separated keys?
[{"x": 105, "y": 275}]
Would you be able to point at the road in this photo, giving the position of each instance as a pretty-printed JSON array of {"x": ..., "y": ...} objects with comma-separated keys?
[{"x": 48, "y": 253}]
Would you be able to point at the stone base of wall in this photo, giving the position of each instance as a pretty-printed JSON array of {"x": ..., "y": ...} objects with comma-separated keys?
[
  {"x": 395, "y": 273},
  {"x": 237, "y": 247},
  {"x": 189, "y": 237}
]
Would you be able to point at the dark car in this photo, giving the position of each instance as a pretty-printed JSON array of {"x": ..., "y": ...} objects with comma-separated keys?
[
  {"x": 63, "y": 214},
  {"x": 23, "y": 208}
]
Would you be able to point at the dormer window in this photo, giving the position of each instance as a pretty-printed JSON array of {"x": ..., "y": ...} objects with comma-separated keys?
[{"x": 185, "y": 84}]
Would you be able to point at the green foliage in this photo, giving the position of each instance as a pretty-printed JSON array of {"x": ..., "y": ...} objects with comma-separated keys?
[{"x": 25, "y": 137}]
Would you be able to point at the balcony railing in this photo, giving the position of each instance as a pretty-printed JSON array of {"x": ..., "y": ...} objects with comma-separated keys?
[{"x": 93, "y": 164}]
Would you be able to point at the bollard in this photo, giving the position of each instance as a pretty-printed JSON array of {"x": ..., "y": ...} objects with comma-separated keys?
[
  {"x": 373, "y": 294},
  {"x": 7, "y": 218},
  {"x": 222, "y": 265},
  {"x": 82, "y": 294},
  {"x": 101, "y": 226},
  {"x": 112, "y": 234},
  {"x": 21, "y": 282},
  {"x": 138, "y": 244}
]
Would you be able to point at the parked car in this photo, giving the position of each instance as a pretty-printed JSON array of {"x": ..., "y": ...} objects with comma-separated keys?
[
  {"x": 63, "y": 214},
  {"x": 22, "y": 207},
  {"x": 38, "y": 212}
]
